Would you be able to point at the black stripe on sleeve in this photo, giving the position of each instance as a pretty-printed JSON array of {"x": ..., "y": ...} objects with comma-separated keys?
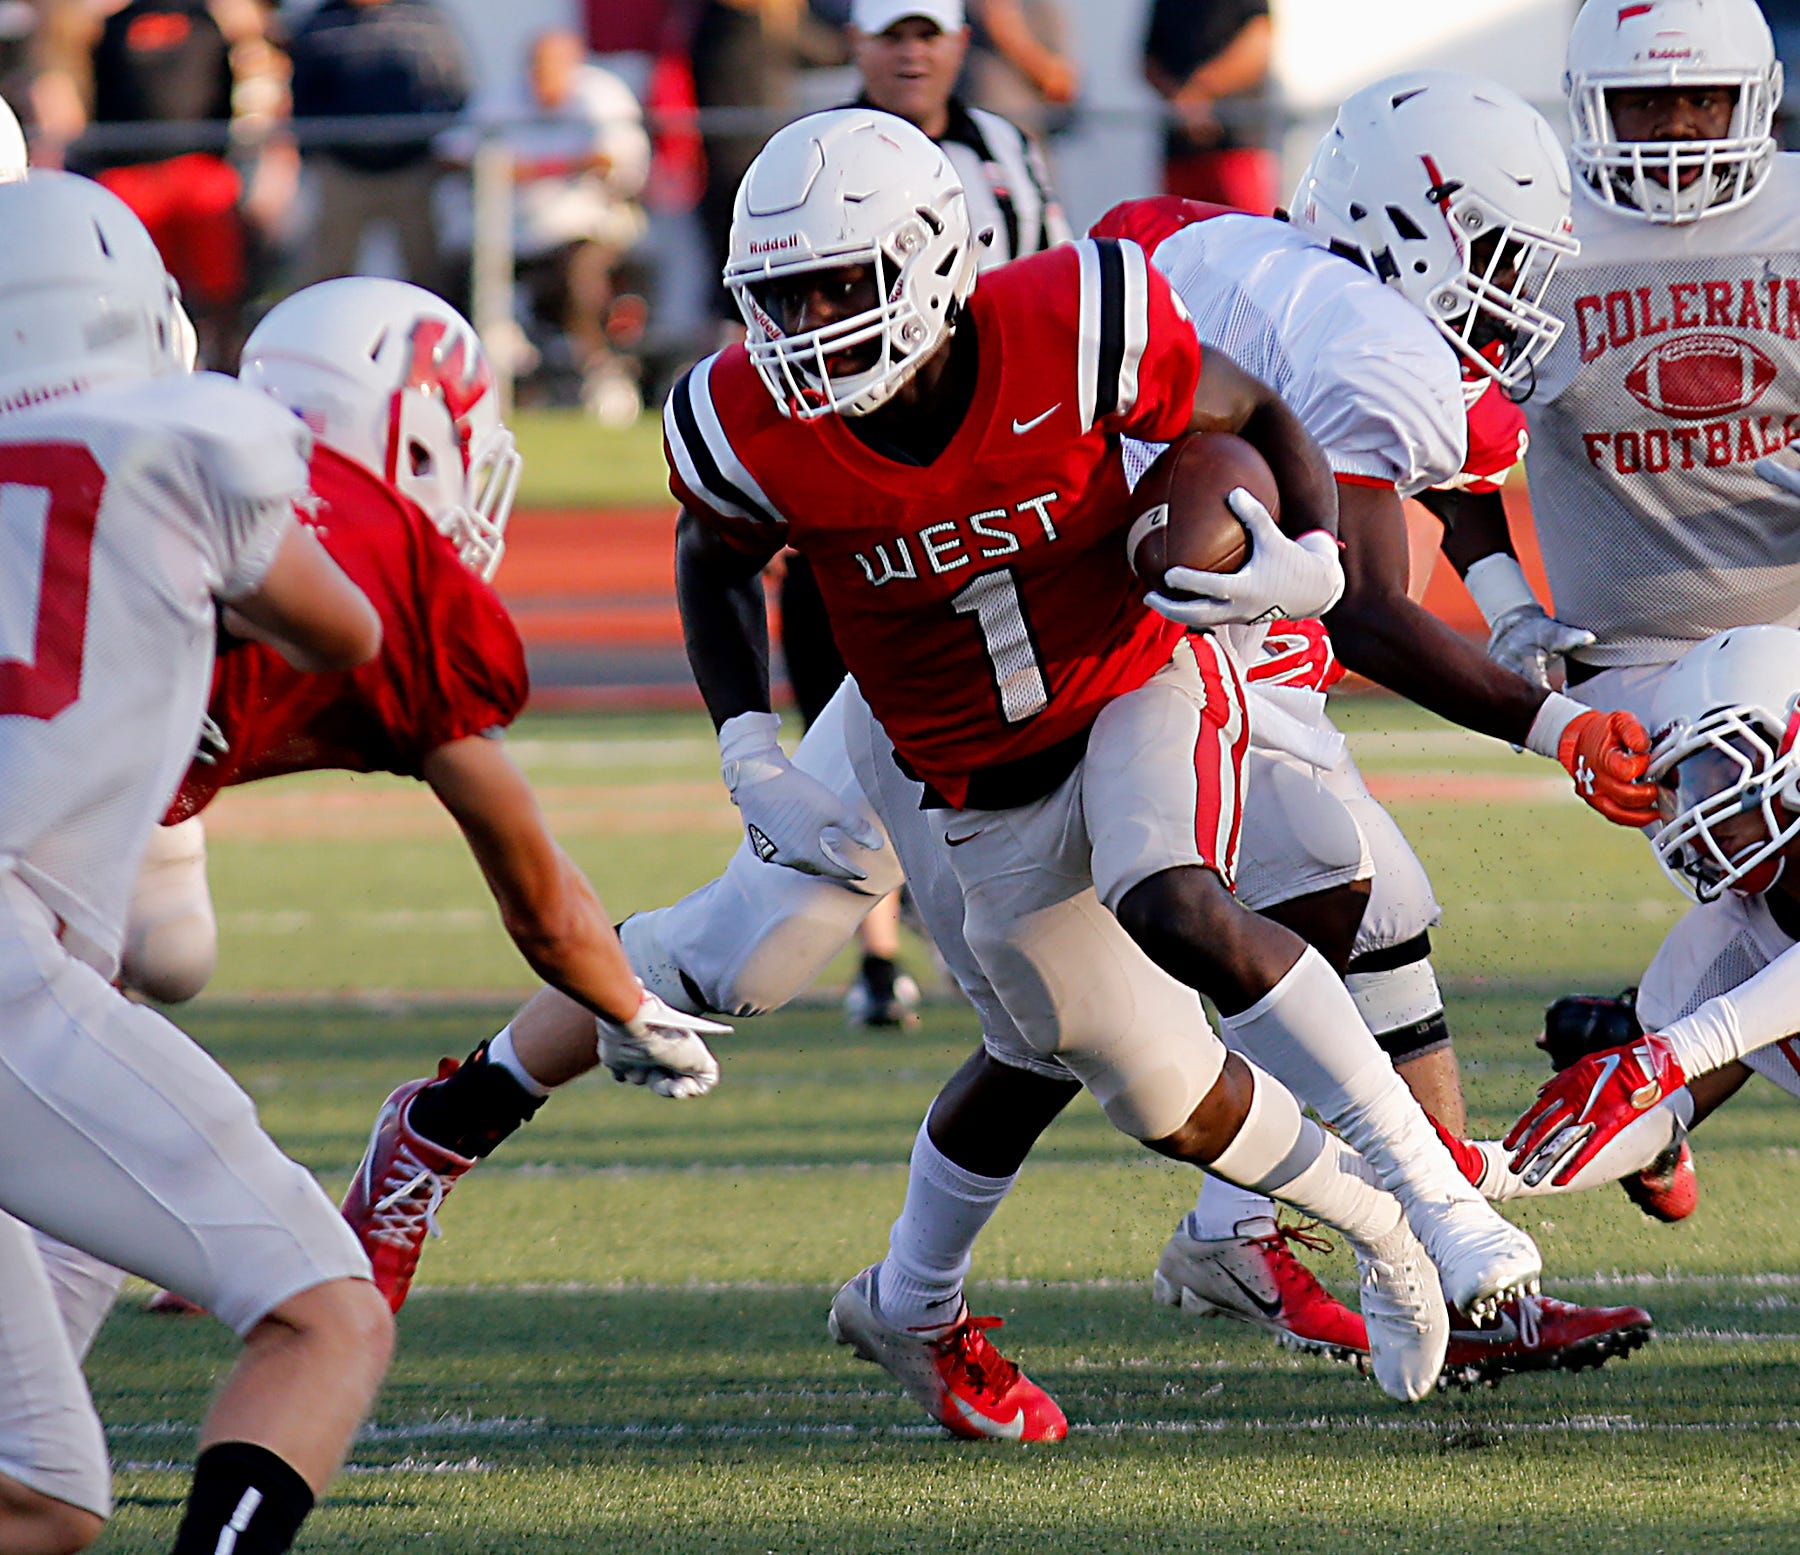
[
  {"x": 1112, "y": 327},
  {"x": 712, "y": 478}
]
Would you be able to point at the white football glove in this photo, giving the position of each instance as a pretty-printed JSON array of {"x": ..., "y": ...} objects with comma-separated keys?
[
  {"x": 1523, "y": 636},
  {"x": 1296, "y": 579},
  {"x": 661, "y": 1047},
  {"x": 791, "y": 819}
]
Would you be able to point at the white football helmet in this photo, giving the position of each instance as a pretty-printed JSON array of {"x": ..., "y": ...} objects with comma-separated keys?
[
  {"x": 1725, "y": 723},
  {"x": 84, "y": 298},
  {"x": 1416, "y": 172},
  {"x": 12, "y": 145},
  {"x": 1661, "y": 43},
  {"x": 394, "y": 377},
  {"x": 850, "y": 187}
]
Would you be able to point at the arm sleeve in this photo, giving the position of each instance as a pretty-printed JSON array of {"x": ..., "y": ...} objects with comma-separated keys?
[
  {"x": 1761, "y": 1010},
  {"x": 249, "y": 456}
]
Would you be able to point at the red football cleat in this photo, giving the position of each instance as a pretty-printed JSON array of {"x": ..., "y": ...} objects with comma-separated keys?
[
  {"x": 965, "y": 1384},
  {"x": 394, "y": 1197},
  {"x": 1667, "y": 1188},
  {"x": 1258, "y": 1280},
  {"x": 1540, "y": 1333}
]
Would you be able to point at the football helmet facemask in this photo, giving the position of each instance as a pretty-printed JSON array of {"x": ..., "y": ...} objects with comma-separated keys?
[
  {"x": 870, "y": 199},
  {"x": 1666, "y": 43},
  {"x": 1453, "y": 190},
  {"x": 84, "y": 297},
  {"x": 1726, "y": 763},
  {"x": 395, "y": 378}
]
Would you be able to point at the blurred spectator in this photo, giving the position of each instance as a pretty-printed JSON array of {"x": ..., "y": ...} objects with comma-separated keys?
[
  {"x": 743, "y": 57},
  {"x": 908, "y": 54},
  {"x": 1209, "y": 60},
  {"x": 206, "y": 65},
  {"x": 580, "y": 161},
  {"x": 399, "y": 59},
  {"x": 1019, "y": 64}
]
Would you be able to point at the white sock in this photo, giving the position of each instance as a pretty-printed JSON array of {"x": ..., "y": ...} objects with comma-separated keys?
[
  {"x": 1307, "y": 1033},
  {"x": 502, "y": 1053},
  {"x": 1222, "y": 1207},
  {"x": 1278, "y": 1152},
  {"x": 933, "y": 1241}
]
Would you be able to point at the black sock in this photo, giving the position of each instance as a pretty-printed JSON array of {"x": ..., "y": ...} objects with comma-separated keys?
[
  {"x": 474, "y": 1109},
  {"x": 245, "y": 1501},
  {"x": 878, "y": 974}
]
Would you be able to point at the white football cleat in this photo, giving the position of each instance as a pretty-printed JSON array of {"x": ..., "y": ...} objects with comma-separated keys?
[
  {"x": 1403, "y": 1311},
  {"x": 1482, "y": 1258}
]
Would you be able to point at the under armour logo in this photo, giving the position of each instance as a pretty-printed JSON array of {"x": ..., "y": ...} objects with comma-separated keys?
[
  {"x": 1585, "y": 777},
  {"x": 761, "y": 843}
]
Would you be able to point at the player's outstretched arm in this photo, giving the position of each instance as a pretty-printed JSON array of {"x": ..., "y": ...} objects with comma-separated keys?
[
  {"x": 1380, "y": 632},
  {"x": 562, "y": 929},
  {"x": 307, "y": 610}
]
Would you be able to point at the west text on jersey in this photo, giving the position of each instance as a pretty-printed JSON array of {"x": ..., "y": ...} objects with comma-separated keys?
[{"x": 952, "y": 543}]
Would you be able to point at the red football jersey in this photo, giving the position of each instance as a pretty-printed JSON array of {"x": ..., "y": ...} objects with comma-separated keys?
[
  {"x": 983, "y": 601},
  {"x": 451, "y": 663},
  {"x": 1497, "y": 441}
]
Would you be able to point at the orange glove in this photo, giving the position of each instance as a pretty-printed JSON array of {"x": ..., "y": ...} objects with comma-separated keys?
[{"x": 1608, "y": 754}]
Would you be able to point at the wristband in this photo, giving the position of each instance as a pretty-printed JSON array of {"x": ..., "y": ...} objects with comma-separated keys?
[
  {"x": 1554, "y": 715},
  {"x": 747, "y": 734},
  {"x": 1497, "y": 585}
]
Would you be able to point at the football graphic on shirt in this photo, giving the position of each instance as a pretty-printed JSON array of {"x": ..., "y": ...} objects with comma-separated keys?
[{"x": 1695, "y": 376}]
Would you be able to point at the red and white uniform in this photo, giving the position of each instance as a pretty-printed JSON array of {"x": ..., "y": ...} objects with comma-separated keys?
[
  {"x": 128, "y": 513},
  {"x": 451, "y": 662},
  {"x": 983, "y": 602}
]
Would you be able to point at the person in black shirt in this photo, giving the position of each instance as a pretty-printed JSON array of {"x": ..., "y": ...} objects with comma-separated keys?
[
  {"x": 1199, "y": 54},
  {"x": 398, "y": 58}
]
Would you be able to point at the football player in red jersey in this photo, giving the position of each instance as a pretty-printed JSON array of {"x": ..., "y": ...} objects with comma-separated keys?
[
  {"x": 1043, "y": 750},
  {"x": 413, "y": 476}
]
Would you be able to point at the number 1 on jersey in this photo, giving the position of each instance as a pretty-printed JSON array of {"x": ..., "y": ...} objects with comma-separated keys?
[{"x": 993, "y": 599}]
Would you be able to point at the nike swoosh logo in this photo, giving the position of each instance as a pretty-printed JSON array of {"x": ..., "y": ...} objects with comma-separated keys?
[
  {"x": 1269, "y": 1309},
  {"x": 957, "y": 842},
  {"x": 1025, "y": 426},
  {"x": 1007, "y": 1430},
  {"x": 1504, "y": 1331}
]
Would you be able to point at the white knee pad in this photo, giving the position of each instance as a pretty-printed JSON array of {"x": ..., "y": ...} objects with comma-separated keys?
[{"x": 171, "y": 935}]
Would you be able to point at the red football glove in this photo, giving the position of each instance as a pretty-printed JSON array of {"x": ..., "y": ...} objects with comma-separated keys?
[
  {"x": 1608, "y": 754},
  {"x": 1585, "y": 1107},
  {"x": 1297, "y": 653}
]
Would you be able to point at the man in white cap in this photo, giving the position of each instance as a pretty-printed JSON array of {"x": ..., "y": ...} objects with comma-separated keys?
[{"x": 909, "y": 54}]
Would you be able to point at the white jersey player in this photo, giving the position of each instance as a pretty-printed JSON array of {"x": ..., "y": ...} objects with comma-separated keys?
[
  {"x": 1679, "y": 368},
  {"x": 136, "y": 499},
  {"x": 1678, "y": 374},
  {"x": 1719, "y": 999}
]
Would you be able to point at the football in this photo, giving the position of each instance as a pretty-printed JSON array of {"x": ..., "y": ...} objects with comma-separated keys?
[
  {"x": 1696, "y": 376},
  {"x": 1180, "y": 517}
]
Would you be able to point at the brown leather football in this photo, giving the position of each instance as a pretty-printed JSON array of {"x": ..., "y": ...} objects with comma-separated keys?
[{"x": 1181, "y": 519}]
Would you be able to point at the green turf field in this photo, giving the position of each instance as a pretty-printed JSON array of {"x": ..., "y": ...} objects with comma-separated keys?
[
  {"x": 572, "y": 462},
  {"x": 619, "y": 1344}
]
